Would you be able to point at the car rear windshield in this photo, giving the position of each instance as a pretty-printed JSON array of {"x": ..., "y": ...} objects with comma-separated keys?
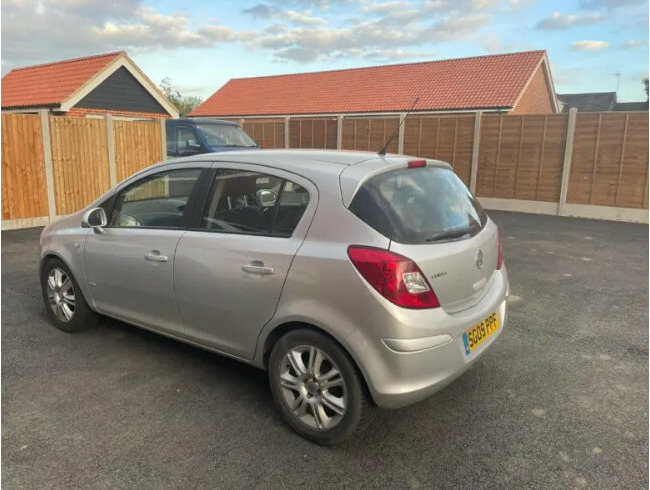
[{"x": 421, "y": 205}]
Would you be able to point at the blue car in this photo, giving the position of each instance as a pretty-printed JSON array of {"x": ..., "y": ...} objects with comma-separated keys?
[{"x": 187, "y": 137}]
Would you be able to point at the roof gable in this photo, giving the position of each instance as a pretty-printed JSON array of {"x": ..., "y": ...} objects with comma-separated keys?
[
  {"x": 121, "y": 92},
  {"x": 50, "y": 84},
  {"x": 494, "y": 81}
]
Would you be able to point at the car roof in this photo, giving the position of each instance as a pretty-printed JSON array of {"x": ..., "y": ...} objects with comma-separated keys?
[
  {"x": 202, "y": 120},
  {"x": 297, "y": 161}
]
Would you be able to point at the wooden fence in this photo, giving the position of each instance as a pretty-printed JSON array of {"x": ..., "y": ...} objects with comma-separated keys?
[
  {"x": 583, "y": 164},
  {"x": 53, "y": 166},
  {"x": 555, "y": 163}
]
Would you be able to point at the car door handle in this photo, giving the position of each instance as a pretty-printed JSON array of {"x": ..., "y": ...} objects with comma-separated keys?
[
  {"x": 155, "y": 256},
  {"x": 254, "y": 268}
]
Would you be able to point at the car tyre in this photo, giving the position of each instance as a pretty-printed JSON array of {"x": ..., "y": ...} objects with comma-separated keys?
[
  {"x": 323, "y": 397},
  {"x": 64, "y": 301}
]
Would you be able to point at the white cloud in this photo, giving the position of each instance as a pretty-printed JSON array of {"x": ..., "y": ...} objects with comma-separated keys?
[
  {"x": 610, "y": 4},
  {"x": 632, "y": 44},
  {"x": 558, "y": 21},
  {"x": 303, "y": 18},
  {"x": 386, "y": 7},
  {"x": 589, "y": 45}
]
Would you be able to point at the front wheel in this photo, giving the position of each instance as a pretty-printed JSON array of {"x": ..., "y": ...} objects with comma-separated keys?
[
  {"x": 316, "y": 387},
  {"x": 65, "y": 304}
]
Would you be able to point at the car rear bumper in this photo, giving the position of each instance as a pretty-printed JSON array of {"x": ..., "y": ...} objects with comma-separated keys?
[{"x": 407, "y": 371}]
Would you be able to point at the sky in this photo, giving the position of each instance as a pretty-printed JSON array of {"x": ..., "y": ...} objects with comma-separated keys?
[{"x": 592, "y": 45}]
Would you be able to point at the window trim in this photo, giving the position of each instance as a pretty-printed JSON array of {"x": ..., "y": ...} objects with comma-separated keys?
[
  {"x": 189, "y": 207},
  {"x": 195, "y": 223}
]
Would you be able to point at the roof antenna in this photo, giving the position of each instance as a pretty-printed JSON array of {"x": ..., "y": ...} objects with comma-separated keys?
[{"x": 382, "y": 152}]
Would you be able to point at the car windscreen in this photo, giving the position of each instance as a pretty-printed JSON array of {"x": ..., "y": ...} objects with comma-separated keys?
[
  {"x": 420, "y": 205},
  {"x": 225, "y": 135}
]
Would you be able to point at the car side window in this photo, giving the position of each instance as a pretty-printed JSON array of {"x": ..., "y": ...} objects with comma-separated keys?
[
  {"x": 183, "y": 136},
  {"x": 157, "y": 201},
  {"x": 242, "y": 201},
  {"x": 169, "y": 136}
]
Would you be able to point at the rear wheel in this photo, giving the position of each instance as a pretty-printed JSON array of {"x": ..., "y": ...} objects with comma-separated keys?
[
  {"x": 63, "y": 300},
  {"x": 316, "y": 387}
]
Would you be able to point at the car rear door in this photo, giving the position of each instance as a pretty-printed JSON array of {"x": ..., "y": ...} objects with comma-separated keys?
[{"x": 230, "y": 267}]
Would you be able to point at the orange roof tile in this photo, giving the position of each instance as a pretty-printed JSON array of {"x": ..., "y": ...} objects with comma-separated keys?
[
  {"x": 51, "y": 83},
  {"x": 492, "y": 81}
]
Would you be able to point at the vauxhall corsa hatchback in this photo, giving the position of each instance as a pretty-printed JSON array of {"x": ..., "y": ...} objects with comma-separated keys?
[{"x": 349, "y": 276}]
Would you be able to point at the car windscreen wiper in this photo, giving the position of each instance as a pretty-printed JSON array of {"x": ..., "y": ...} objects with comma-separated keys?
[{"x": 449, "y": 235}]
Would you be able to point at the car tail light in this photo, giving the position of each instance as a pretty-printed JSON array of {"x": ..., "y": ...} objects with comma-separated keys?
[
  {"x": 396, "y": 278},
  {"x": 417, "y": 163},
  {"x": 499, "y": 252}
]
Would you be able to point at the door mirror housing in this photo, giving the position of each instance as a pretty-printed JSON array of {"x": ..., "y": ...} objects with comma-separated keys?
[
  {"x": 266, "y": 197},
  {"x": 95, "y": 219},
  {"x": 193, "y": 145}
]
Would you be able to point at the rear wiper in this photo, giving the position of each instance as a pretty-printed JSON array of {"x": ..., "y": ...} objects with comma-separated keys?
[{"x": 448, "y": 235}]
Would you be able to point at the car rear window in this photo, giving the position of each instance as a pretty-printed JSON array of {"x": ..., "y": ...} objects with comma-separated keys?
[{"x": 421, "y": 205}]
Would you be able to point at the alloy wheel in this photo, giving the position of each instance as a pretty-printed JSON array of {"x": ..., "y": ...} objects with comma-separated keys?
[
  {"x": 313, "y": 387},
  {"x": 61, "y": 294}
]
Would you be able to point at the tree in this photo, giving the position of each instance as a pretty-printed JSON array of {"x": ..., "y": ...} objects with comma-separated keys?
[
  {"x": 645, "y": 84},
  {"x": 183, "y": 103}
]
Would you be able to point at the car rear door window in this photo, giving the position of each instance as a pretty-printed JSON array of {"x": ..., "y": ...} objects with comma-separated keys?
[
  {"x": 247, "y": 202},
  {"x": 157, "y": 201}
]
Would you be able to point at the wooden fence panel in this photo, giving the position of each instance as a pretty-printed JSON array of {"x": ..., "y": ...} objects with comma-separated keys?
[
  {"x": 369, "y": 134},
  {"x": 610, "y": 160},
  {"x": 24, "y": 194},
  {"x": 446, "y": 138},
  {"x": 521, "y": 157},
  {"x": 312, "y": 133},
  {"x": 138, "y": 145},
  {"x": 79, "y": 161},
  {"x": 267, "y": 133}
]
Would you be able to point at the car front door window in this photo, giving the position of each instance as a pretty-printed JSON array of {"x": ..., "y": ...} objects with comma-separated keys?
[{"x": 157, "y": 201}]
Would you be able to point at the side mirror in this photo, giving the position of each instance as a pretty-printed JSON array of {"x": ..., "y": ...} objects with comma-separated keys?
[
  {"x": 193, "y": 145},
  {"x": 266, "y": 197},
  {"x": 96, "y": 219}
]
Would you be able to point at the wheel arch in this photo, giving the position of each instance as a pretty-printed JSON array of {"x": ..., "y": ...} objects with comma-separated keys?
[
  {"x": 50, "y": 255},
  {"x": 282, "y": 329}
]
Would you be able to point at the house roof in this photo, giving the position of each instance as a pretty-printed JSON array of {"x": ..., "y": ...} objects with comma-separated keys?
[
  {"x": 52, "y": 83},
  {"x": 588, "y": 102},
  {"x": 482, "y": 82},
  {"x": 62, "y": 84},
  {"x": 631, "y": 106}
]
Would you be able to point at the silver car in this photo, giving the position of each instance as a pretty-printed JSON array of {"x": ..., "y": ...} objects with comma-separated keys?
[{"x": 351, "y": 277}]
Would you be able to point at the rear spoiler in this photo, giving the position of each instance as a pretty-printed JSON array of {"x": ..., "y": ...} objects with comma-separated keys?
[{"x": 353, "y": 176}]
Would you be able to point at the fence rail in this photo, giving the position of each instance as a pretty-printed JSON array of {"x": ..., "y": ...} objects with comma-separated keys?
[{"x": 587, "y": 164}]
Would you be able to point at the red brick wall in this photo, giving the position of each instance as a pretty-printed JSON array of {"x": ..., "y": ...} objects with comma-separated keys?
[
  {"x": 81, "y": 112},
  {"x": 536, "y": 98}
]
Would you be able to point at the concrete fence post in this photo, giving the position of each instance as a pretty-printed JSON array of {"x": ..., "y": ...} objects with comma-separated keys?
[
  {"x": 475, "y": 149},
  {"x": 568, "y": 153},
  {"x": 286, "y": 132},
  {"x": 47, "y": 158},
  {"x": 400, "y": 134},
  {"x": 163, "y": 138},
  {"x": 110, "y": 141},
  {"x": 339, "y": 131}
]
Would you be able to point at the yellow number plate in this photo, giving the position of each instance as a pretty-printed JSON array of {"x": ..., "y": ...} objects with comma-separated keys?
[{"x": 476, "y": 335}]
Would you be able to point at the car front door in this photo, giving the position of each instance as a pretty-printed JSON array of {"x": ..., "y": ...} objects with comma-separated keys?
[
  {"x": 129, "y": 267},
  {"x": 231, "y": 265}
]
